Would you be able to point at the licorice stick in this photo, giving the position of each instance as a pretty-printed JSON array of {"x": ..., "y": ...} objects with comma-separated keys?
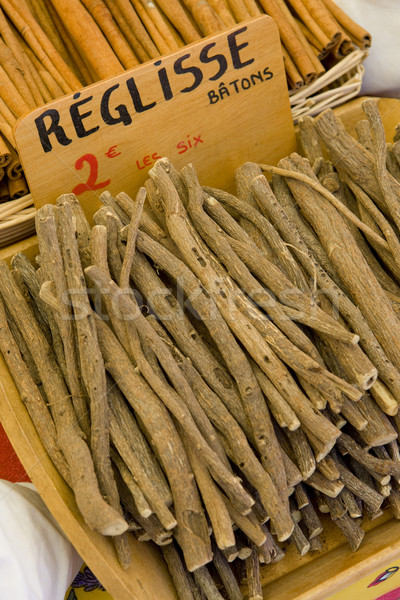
[
  {"x": 98, "y": 514},
  {"x": 389, "y": 326}
]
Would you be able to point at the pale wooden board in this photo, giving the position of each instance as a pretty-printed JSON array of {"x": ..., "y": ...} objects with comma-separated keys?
[
  {"x": 252, "y": 124},
  {"x": 310, "y": 578},
  {"x": 352, "y": 112},
  {"x": 27, "y": 246},
  {"x": 337, "y": 568},
  {"x": 316, "y": 576}
]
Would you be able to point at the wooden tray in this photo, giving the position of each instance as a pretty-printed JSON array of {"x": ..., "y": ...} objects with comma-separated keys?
[{"x": 309, "y": 578}]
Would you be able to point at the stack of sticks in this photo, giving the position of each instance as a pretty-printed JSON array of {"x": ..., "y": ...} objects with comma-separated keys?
[
  {"x": 16, "y": 205},
  {"x": 211, "y": 372}
]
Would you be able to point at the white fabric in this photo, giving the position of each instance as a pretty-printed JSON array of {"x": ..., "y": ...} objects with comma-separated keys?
[
  {"x": 382, "y": 67},
  {"x": 36, "y": 561}
]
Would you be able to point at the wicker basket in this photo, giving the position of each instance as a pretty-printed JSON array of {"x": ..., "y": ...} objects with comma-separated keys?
[
  {"x": 17, "y": 220},
  {"x": 338, "y": 85}
]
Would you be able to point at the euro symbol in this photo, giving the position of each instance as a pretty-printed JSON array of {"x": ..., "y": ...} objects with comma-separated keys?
[{"x": 111, "y": 153}]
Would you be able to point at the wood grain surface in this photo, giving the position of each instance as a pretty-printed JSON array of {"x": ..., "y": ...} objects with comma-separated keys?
[{"x": 216, "y": 103}]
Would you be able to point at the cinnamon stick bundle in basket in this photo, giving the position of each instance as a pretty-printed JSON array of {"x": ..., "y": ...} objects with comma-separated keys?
[{"x": 50, "y": 49}]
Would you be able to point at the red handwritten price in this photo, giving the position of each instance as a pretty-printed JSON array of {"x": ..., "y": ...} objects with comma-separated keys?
[
  {"x": 145, "y": 162},
  {"x": 91, "y": 183}
]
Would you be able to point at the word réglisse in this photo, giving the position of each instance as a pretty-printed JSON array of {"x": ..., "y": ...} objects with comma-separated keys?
[{"x": 51, "y": 124}]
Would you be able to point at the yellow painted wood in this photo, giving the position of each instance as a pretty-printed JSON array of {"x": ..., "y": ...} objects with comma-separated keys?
[
  {"x": 309, "y": 578},
  {"x": 252, "y": 123},
  {"x": 381, "y": 584}
]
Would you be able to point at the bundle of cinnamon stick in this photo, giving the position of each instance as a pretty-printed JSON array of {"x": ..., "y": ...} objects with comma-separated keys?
[{"x": 210, "y": 371}]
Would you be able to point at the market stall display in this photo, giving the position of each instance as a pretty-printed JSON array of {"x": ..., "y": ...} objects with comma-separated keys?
[{"x": 221, "y": 364}]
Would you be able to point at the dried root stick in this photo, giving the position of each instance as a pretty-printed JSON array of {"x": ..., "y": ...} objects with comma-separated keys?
[
  {"x": 179, "y": 574},
  {"x": 91, "y": 364},
  {"x": 239, "y": 449},
  {"x": 174, "y": 400},
  {"x": 51, "y": 255},
  {"x": 164, "y": 304},
  {"x": 96, "y": 512},
  {"x": 206, "y": 584},
  {"x": 212, "y": 318},
  {"x": 212, "y": 498},
  {"x": 193, "y": 531},
  {"x": 253, "y": 577},
  {"x": 261, "y": 403},
  {"x": 201, "y": 265},
  {"x": 350, "y": 263},
  {"x": 31, "y": 397},
  {"x": 349, "y": 311}
]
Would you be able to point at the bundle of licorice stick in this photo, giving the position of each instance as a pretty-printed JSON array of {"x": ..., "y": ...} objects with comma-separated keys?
[{"x": 211, "y": 371}]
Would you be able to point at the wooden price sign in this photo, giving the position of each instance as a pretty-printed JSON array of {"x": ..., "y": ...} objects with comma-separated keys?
[{"x": 216, "y": 103}]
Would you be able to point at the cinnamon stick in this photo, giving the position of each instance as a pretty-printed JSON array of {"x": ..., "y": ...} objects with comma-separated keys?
[
  {"x": 89, "y": 39},
  {"x": 106, "y": 23},
  {"x": 222, "y": 9},
  {"x": 289, "y": 39},
  {"x": 322, "y": 36},
  {"x": 176, "y": 14},
  {"x": 41, "y": 45},
  {"x": 168, "y": 31},
  {"x": 204, "y": 16},
  {"x": 362, "y": 36}
]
